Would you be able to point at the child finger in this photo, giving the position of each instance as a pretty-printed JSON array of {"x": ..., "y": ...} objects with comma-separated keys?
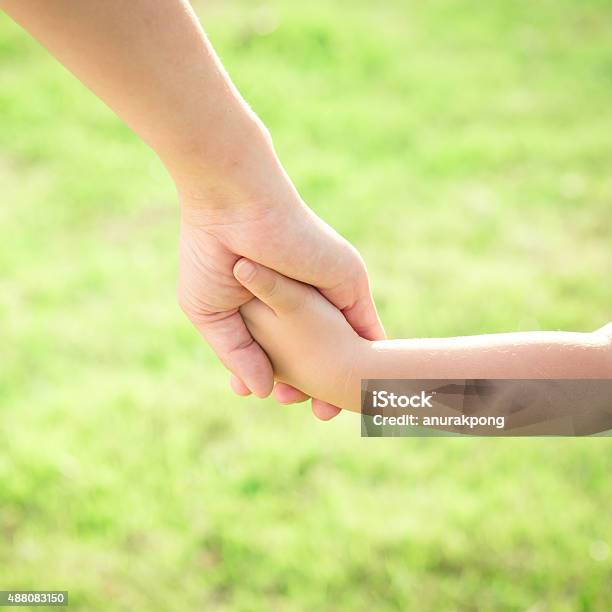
[{"x": 280, "y": 293}]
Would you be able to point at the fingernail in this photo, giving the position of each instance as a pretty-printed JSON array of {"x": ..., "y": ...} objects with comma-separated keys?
[{"x": 244, "y": 270}]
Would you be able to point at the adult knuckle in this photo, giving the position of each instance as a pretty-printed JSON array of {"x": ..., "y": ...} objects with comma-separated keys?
[
  {"x": 193, "y": 308},
  {"x": 242, "y": 345}
]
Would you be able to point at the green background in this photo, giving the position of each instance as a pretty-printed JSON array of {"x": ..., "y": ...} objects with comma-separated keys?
[{"x": 466, "y": 149}]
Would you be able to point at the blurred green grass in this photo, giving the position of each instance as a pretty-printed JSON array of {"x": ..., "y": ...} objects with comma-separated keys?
[{"x": 465, "y": 149}]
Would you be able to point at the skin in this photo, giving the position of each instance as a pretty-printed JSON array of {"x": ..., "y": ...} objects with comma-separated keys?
[
  {"x": 151, "y": 62},
  {"x": 312, "y": 347}
]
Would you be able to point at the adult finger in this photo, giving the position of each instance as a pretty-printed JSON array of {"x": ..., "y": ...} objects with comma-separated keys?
[
  {"x": 282, "y": 392},
  {"x": 238, "y": 386},
  {"x": 286, "y": 394},
  {"x": 229, "y": 337},
  {"x": 363, "y": 317},
  {"x": 354, "y": 298},
  {"x": 324, "y": 411}
]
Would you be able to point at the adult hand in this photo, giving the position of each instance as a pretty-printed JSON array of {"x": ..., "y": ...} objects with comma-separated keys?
[{"x": 283, "y": 234}]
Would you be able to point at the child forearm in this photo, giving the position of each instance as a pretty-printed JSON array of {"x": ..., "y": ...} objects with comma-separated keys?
[
  {"x": 314, "y": 349},
  {"x": 531, "y": 355}
]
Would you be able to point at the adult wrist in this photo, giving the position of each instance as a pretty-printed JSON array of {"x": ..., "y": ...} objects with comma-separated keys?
[{"x": 229, "y": 169}]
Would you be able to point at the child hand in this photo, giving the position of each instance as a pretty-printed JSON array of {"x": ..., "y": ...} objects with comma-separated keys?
[{"x": 308, "y": 340}]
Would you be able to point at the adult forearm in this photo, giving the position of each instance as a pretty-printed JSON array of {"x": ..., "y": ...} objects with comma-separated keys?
[{"x": 151, "y": 62}]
